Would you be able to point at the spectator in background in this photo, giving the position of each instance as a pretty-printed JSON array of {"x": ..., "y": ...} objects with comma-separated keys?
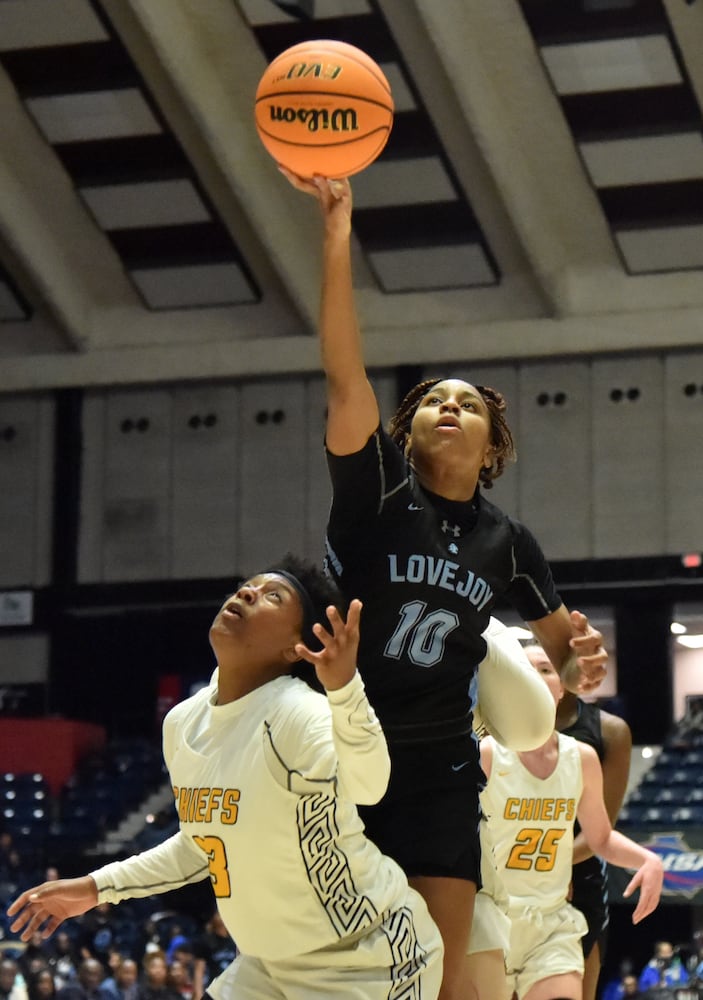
[
  {"x": 63, "y": 958},
  {"x": 37, "y": 964},
  {"x": 664, "y": 969},
  {"x": 12, "y": 984},
  {"x": 614, "y": 988},
  {"x": 87, "y": 985},
  {"x": 114, "y": 958},
  {"x": 182, "y": 970},
  {"x": 6, "y": 847},
  {"x": 125, "y": 983},
  {"x": 630, "y": 987},
  {"x": 34, "y": 953},
  {"x": 154, "y": 983},
  {"x": 213, "y": 951},
  {"x": 97, "y": 933},
  {"x": 180, "y": 979},
  {"x": 176, "y": 938},
  {"x": 147, "y": 938},
  {"x": 41, "y": 985},
  {"x": 13, "y": 868}
]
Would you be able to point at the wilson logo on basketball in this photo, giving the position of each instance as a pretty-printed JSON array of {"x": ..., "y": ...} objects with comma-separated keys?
[
  {"x": 317, "y": 119},
  {"x": 301, "y": 70}
]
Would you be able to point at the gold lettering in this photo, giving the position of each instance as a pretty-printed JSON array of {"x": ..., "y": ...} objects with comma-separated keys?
[
  {"x": 230, "y": 808},
  {"x": 213, "y": 803}
]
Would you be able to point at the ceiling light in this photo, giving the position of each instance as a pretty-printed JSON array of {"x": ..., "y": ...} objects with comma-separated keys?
[
  {"x": 677, "y": 628},
  {"x": 691, "y": 641}
]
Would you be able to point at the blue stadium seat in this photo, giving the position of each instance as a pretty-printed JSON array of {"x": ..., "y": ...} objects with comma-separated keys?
[
  {"x": 675, "y": 795},
  {"x": 669, "y": 758},
  {"x": 24, "y": 780},
  {"x": 693, "y": 759},
  {"x": 645, "y": 794},
  {"x": 681, "y": 777},
  {"x": 26, "y": 814},
  {"x": 688, "y": 815},
  {"x": 631, "y": 815},
  {"x": 656, "y": 815},
  {"x": 659, "y": 775},
  {"x": 74, "y": 831}
]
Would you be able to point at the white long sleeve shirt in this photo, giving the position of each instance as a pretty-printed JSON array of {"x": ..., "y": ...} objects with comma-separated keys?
[{"x": 265, "y": 790}]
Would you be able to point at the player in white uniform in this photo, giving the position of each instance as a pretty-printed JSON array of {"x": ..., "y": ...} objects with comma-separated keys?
[
  {"x": 266, "y": 773},
  {"x": 530, "y": 803}
]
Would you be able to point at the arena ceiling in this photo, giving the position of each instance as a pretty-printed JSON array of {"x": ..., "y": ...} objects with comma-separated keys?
[{"x": 541, "y": 194}]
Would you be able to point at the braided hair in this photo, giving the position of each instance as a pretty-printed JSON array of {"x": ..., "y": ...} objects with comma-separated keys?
[{"x": 501, "y": 437}]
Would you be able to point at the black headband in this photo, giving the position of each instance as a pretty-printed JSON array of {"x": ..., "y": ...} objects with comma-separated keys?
[{"x": 309, "y": 616}]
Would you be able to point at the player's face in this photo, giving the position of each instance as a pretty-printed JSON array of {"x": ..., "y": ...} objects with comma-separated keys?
[
  {"x": 544, "y": 667},
  {"x": 262, "y": 618},
  {"x": 453, "y": 414}
]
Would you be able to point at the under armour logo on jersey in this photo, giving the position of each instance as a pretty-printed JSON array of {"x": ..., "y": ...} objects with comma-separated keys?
[{"x": 452, "y": 529}]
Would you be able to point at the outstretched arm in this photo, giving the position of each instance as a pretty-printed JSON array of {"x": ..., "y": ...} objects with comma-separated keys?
[
  {"x": 613, "y": 846},
  {"x": 167, "y": 866},
  {"x": 352, "y": 409}
]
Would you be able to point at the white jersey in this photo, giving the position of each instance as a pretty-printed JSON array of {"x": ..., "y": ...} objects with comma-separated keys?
[
  {"x": 531, "y": 823},
  {"x": 265, "y": 788}
]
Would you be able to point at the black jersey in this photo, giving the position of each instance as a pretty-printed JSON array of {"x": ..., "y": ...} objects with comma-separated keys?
[
  {"x": 428, "y": 571},
  {"x": 589, "y": 878},
  {"x": 587, "y": 728}
]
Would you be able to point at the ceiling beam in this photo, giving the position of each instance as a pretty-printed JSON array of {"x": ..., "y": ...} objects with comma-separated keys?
[
  {"x": 501, "y": 341},
  {"x": 48, "y": 234},
  {"x": 202, "y": 63}
]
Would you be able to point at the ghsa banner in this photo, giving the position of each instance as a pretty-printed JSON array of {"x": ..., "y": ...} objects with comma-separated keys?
[{"x": 682, "y": 858}]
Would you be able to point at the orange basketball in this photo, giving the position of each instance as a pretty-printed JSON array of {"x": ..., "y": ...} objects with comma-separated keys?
[{"x": 324, "y": 107}]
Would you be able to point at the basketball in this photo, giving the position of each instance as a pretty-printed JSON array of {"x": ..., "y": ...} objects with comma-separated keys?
[{"x": 324, "y": 107}]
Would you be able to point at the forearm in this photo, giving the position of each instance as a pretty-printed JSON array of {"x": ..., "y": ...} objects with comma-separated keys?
[
  {"x": 362, "y": 752},
  {"x": 352, "y": 409},
  {"x": 340, "y": 336},
  {"x": 621, "y": 851},
  {"x": 175, "y": 863}
]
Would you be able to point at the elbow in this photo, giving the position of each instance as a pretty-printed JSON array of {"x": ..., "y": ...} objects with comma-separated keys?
[
  {"x": 373, "y": 783},
  {"x": 377, "y": 789}
]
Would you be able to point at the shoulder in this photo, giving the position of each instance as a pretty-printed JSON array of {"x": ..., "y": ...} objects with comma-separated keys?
[
  {"x": 486, "y": 749},
  {"x": 590, "y": 764},
  {"x": 296, "y": 702},
  {"x": 379, "y": 443},
  {"x": 570, "y": 745},
  {"x": 615, "y": 731},
  {"x": 183, "y": 708}
]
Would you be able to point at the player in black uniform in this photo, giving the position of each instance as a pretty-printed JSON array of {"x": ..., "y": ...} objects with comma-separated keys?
[
  {"x": 412, "y": 536},
  {"x": 610, "y": 737}
]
